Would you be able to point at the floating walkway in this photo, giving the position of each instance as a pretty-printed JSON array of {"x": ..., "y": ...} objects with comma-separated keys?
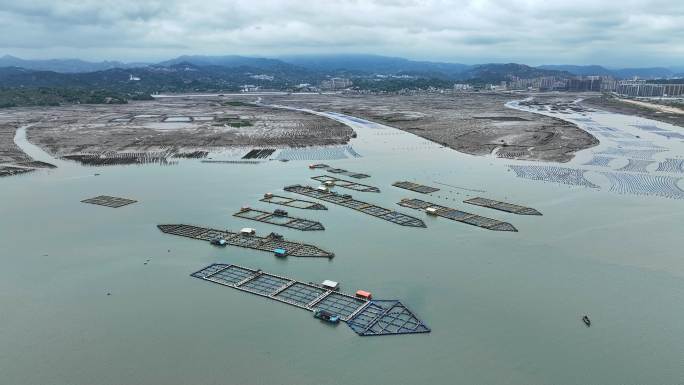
[
  {"x": 279, "y": 220},
  {"x": 291, "y": 202},
  {"x": 366, "y": 208},
  {"x": 415, "y": 187},
  {"x": 457, "y": 215},
  {"x": 105, "y": 200},
  {"x": 268, "y": 243},
  {"x": 340, "y": 171},
  {"x": 365, "y": 317},
  {"x": 346, "y": 183},
  {"x": 502, "y": 206}
]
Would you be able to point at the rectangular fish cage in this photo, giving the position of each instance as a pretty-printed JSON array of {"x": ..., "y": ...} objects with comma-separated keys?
[
  {"x": 268, "y": 243},
  {"x": 259, "y": 153},
  {"x": 415, "y": 187},
  {"x": 502, "y": 206},
  {"x": 341, "y": 171},
  {"x": 363, "y": 207},
  {"x": 364, "y": 316},
  {"x": 457, "y": 215},
  {"x": 291, "y": 202},
  {"x": 345, "y": 183},
  {"x": 109, "y": 201},
  {"x": 279, "y": 220}
]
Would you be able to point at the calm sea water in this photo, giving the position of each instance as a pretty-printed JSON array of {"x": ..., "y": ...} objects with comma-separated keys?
[{"x": 504, "y": 308}]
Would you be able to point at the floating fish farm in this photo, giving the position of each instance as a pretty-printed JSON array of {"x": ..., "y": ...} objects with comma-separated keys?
[
  {"x": 270, "y": 243},
  {"x": 318, "y": 153},
  {"x": 340, "y": 171},
  {"x": 120, "y": 158},
  {"x": 366, "y": 208},
  {"x": 554, "y": 174},
  {"x": 365, "y": 317},
  {"x": 637, "y": 165},
  {"x": 9, "y": 170},
  {"x": 259, "y": 153},
  {"x": 640, "y": 184},
  {"x": 457, "y": 215},
  {"x": 291, "y": 202},
  {"x": 232, "y": 161},
  {"x": 415, "y": 187},
  {"x": 191, "y": 155},
  {"x": 279, "y": 219},
  {"x": 502, "y": 206},
  {"x": 104, "y": 200},
  {"x": 346, "y": 183}
]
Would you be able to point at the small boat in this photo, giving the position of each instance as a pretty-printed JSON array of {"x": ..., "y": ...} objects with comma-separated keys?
[
  {"x": 431, "y": 210},
  {"x": 586, "y": 320},
  {"x": 247, "y": 231},
  {"x": 218, "y": 242},
  {"x": 280, "y": 213},
  {"x": 275, "y": 236},
  {"x": 326, "y": 316},
  {"x": 330, "y": 285}
]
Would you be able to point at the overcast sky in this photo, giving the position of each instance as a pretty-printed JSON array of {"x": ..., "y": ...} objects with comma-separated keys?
[{"x": 607, "y": 32}]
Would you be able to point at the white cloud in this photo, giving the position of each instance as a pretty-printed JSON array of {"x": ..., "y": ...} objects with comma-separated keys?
[{"x": 625, "y": 32}]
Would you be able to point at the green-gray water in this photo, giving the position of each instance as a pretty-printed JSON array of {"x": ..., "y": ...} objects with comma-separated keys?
[{"x": 504, "y": 308}]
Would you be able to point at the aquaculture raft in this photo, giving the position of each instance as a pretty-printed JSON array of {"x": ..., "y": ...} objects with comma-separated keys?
[
  {"x": 459, "y": 216},
  {"x": 104, "y": 200},
  {"x": 279, "y": 220},
  {"x": 9, "y": 170},
  {"x": 366, "y": 208},
  {"x": 365, "y": 317},
  {"x": 502, "y": 206},
  {"x": 415, "y": 187},
  {"x": 291, "y": 202},
  {"x": 268, "y": 243},
  {"x": 339, "y": 171},
  {"x": 259, "y": 153},
  {"x": 232, "y": 161},
  {"x": 346, "y": 184}
]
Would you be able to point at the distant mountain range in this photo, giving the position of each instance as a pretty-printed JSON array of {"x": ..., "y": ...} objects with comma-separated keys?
[
  {"x": 63, "y": 65},
  {"x": 229, "y": 73},
  {"x": 374, "y": 64},
  {"x": 620, "y": 73},
  {"x": 306, "y": 66}
]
